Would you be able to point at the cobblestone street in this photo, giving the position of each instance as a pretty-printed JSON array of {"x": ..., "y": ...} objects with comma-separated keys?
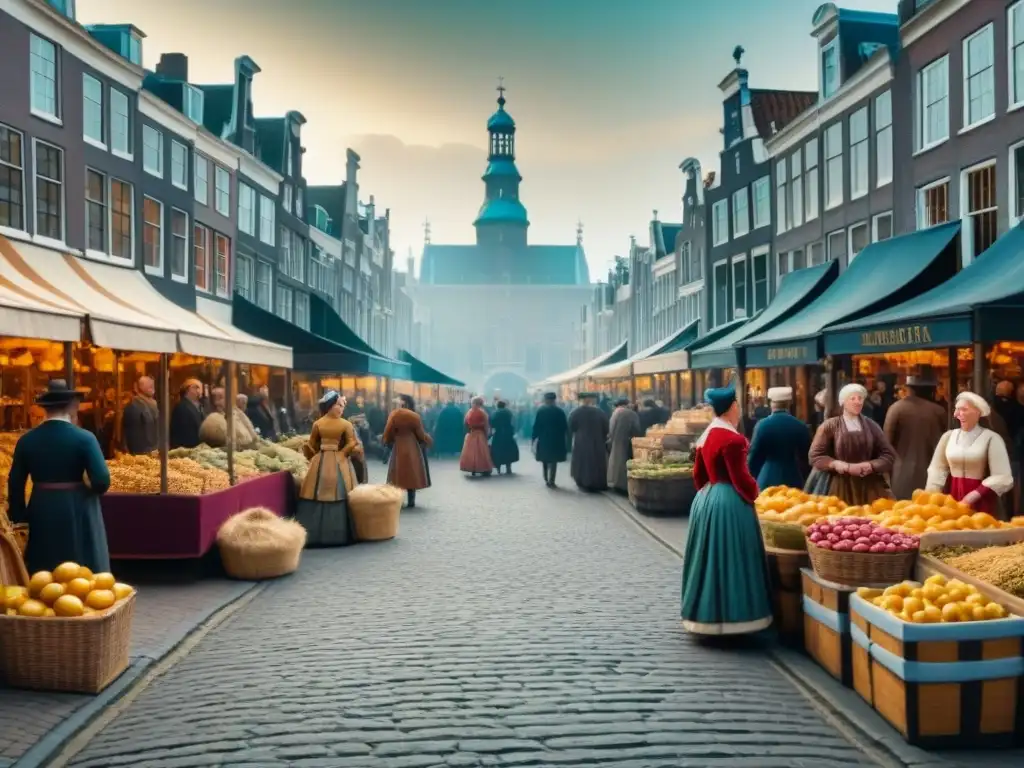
[{"x": 508, "y": 625}]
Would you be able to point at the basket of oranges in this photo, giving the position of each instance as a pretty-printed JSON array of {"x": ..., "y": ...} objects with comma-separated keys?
[{"x": 66, "y": 630}]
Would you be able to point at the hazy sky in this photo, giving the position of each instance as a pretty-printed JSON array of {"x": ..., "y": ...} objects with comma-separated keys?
[{"x": 609, "y": 96}]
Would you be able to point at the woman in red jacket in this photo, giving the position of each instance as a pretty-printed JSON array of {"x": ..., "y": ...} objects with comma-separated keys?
[{"x": 476, "y": 453}]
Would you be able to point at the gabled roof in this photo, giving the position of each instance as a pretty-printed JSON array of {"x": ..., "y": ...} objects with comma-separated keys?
[
  {"x": 668, "y": 236},
  {"x": 270, "y": 132},
  {"x": 773, "y": 110},
  {"x": 217, "y": 107}
]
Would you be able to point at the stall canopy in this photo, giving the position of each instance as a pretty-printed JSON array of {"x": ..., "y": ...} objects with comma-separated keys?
[
  {"x": 883, "y": 274},
  {"x": 984, "y": 302},
  {"x": 312, "y": 352},
  {"x": 421, "y": 373},
  {"x": 796, "y": 291},
  {"x": 625, "y": 368},
  {"x": 673, "y": 357},
  {"x": 614, "y": 355},
  {"x": 27, "y": 310},
  {"x": 325, "y": 322}
]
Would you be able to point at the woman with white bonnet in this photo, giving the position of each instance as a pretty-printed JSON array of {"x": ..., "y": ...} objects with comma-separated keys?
[
  {"x": 850, "y": 455},
  {"x": 971, "y": 463}
]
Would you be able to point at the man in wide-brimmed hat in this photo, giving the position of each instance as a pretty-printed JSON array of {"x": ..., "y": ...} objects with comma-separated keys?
[
  {"x": 778, "y": 450},
  {"x": 914, "y": 426}
]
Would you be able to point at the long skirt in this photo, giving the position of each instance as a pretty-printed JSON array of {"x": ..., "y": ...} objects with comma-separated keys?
[
  {"x": 327, "y": 523},
  {"x": 725, "y": 573},
  {"x": 476, "y": 454},
  {"x": 855, "y": 491}
]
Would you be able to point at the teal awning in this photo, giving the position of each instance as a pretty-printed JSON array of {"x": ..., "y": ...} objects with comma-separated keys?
[
  {"x": 313, "y": 353},
  {"x": 883, "y": 274},
  {"x": 983, "y": 302},
  {"x": 325, "y": 322},
  {"x": 421, "y": 373},
  {"x": 796, "y": 291},
  {"x": 613, "y": 355},
  {"x": 624, "y": 368}
]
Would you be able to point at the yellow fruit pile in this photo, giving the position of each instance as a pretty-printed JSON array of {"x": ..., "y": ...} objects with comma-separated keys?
[
  {"x": 782, "y": 504},
  {"x": 928, "y": 512},
  {"x": 936, "y": 601},
  {"x": 185, "y": 477},
  {"x": 71, "y": 590}
]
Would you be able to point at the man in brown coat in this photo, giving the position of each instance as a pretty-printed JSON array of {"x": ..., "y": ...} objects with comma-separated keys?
[{"x": 914, "y": 426}]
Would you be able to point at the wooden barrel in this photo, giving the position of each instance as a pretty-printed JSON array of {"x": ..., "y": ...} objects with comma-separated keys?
[{"x": 666, "y": 496}]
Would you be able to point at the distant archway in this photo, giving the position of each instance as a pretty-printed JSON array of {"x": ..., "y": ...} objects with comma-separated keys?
[{"x": 510, "y": 386}]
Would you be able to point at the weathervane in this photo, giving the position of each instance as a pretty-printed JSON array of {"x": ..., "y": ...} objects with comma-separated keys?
[
  {"x": 501, "y": 90},
  {"x": 737, "y": 54}
]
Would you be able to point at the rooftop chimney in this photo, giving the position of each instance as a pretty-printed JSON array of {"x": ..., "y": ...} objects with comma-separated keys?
[
  {"x": 173, "y": 66},
  {"x": 351, "y": 185}
]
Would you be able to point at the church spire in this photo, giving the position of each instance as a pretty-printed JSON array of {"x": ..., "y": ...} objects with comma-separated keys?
[{"x": 502, "y": 219}]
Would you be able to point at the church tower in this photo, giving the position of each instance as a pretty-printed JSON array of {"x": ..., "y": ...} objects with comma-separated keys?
[{"x": 502, "y": 219}]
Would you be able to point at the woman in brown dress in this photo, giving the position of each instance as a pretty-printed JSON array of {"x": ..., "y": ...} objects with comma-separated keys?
[
  {"x": 408, "y": 440},
  {"x": 476, "y": 453},
  {"x": 323, "y": 498},
  {"x": 850, "y": 455}
]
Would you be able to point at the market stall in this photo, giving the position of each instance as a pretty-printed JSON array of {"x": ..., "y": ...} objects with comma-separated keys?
[
  {"x": 427, "y": 384},
  {"x": 660, "y": 475},
  {"x": 621, "y": 378},
  {"x": 569, "y": 384}
]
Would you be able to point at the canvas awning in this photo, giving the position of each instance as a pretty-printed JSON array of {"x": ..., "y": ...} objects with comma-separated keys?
[
  {"x": 883, "y": 274},
  {"x": 676, "y": 342},
  {"x": 614, "y": 355},
  {"x": 246, "y": 347},
  {"x": 796, "y": 291},
  {"x": 421, "y": 373},
  {"x": 984, "y": 302},
  {"x": 28, "y": 309},
  {"x": 325, "y": 322}
]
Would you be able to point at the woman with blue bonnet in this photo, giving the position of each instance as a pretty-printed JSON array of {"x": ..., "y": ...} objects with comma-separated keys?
[{"x": 725, "y": 573}]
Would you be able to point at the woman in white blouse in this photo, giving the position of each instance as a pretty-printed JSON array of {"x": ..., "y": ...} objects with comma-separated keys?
[{"x": 971, "y": 463}]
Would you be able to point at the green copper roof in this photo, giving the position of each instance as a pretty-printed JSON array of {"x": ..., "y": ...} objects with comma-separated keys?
[
  {"x": 503, "y": 209},
  {"x": 501, "y": 121},
  {"x": 480, "y": 265},
  {"x": 502, "y": 167}
]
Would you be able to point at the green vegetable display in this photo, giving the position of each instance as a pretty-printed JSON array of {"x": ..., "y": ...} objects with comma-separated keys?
[
  {"x": 662, "y": 470},
  {"x": 268, "y": 457}
]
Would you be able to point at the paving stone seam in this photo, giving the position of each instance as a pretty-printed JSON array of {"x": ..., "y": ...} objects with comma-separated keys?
[{"x": 61, "y": 745}]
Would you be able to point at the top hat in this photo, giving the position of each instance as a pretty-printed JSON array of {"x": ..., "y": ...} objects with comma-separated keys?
[{"x": 58, "y": 393}]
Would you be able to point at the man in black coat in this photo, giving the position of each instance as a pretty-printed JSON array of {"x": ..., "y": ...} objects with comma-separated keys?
[
  {"x": 550, "y": 437},
  {"x": 187, "y": 416},
  {"x": 140, "y": 420}
]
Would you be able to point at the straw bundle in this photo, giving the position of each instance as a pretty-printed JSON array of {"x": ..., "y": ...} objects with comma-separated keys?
[
  {"x": 257, "y": 544},
  {"x": 375, "y": 510}
]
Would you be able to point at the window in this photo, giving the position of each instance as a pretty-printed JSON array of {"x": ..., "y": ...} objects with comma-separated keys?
[
  {"x": 246, "y": 209},
  {"x": 781, "y": 193},
  {"x": 179, "y": 245},
  {"x": 720, "y": 222},
  {"x": 95, "y": 211},
  {"x": 120, "y": 124},
  {"x": 740, "y": 213},
  {"x": 933, "y": 104},
  {"x": 264, "y": 283},
  {"x": 860, "y": 237},
  {"x": 933, "y": 204},
  {"x": 267, "y": 225},
  {"x": 152, "y": 151},
  {"x": 66, "y": 7},
  {"x": 981, "y": 210},
  {"x": 759, "y": 268},
  {"x": 833, "y": 165},
  {"x": 152, "y": 236},
  {"x": 791, "y": 261},
  {"x": 321, "y": 220},
  {"x": 286, "y": 195},
  {"x": 830, "y": 68},
  {"x": 222, "y": 193},
  {"x": 811, "y": 180},
  {"x": 739, "y": 287},
  {"x": 302, "y": 310},
  {"x": 836, "y": 245},
  {"x": 121, "y": 213},
  {"x": 979, "y": 76},
  {"x": 192, "y": 101},
  {"x": 289, "y": 160},
  {"x": 816, "y": 254},
  {"x": 284, "y": 300},
  {"x": 202, "y": 182},
  {"x": 881, "y": 227},
  {"x": 293, "y": 255},
  {"x": 12, "y": 179},
  {"x": 762, "y": 203},
  {"x": 858, "y": 153},
  {"x": 131, "y": 48},
  {"x": 299, "y": 210},
  {"x": 244, "y": 275},
  {"x": 179, "y": 165},
  {"x": 43, "y": 84},
  {"x": 222, "y": 263},
  {"x": 721, "y": 277},
  {"x": 49, "y": 185},
  {"x": 883, "y": 139},
  {"x": 92, "y": 109},
  {"x": 796, "y": 184},
  {"x": 1015, "y": 39},
  {"x": 201, "y": 257}
]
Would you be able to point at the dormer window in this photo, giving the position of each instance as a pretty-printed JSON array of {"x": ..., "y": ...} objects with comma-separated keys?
[
  {"x": 131, "y": 48},
  {"x": 192, "y": 103},
  {"x": 830, "y": 68},
  {"x": 321, "y": 220},
  {"x": 65, "y": 7}
]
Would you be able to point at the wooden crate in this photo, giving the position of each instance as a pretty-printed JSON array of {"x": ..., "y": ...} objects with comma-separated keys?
[
  {"x": 860, "y": 656},
  {"x": 947, "y": 685},
  {"x": 827, "y": 637},
  {"x": 787, "y": 608}
]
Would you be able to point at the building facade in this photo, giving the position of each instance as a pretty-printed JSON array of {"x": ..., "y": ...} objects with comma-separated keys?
[{"x": 691, "y": 242}]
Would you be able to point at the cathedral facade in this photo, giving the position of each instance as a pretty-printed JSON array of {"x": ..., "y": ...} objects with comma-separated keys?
[{"x": 502, "y": 312}]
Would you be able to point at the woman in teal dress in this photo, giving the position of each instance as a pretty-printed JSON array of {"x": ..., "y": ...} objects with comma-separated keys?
[
  {"x": 65, "y": 522},
  {"x": 725, "y": 572}
]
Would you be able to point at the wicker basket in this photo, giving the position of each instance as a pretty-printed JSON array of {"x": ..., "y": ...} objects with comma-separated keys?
[
  {"x": 375, "y": 510},
  {"x": 80, "y": 655},
  {"x": 12, "y": 565},
  {"x": 862, "y": 569},
  {"x": 257, "y": 544}
]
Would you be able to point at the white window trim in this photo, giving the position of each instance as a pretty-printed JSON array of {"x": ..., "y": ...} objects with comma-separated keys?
[
  {"x": 966, "y": 254},
  {"x": 185, "y": 165},
  {"x": 866, "y": 143},
  {"x": 218, "y": 170},
  {"x": 881, "y": 181},
  {"x": 919, "y": 142},
  {"x": 56, "y": 119},
  {"x": 714, "y": 290},
  {"x": 832, "y": 45},
  {"x": 129, "y": 155},
  {"x": 207, "y": 245},
  {"x": 268, "y": 237},
  {"x": 253, "y": 199},
  {"x": 828, "y": 242},
  {"x": 159, "y": 171},
  {"x": 766, "y": 180},
  {"x": 36, "y": 237},
  {"x": 1015, "y": 215},
  {"x": 874, "y": 225},
  {"x": 227, "y": 263},
  {"x": 1012, "y": 105},
  {"x": 838, "y": 125},
  {"x": 988, "y": 29},
  {"x": 188, "y": 245},
  {"x": 128, "y": 261},
  {"x": 98, "y": 143},
  {"x": 919, "y": 201},
  {"x": 740, "y": 258},
  {"x": 196, "y": 160},
  {"x": 766, "y": 251},
  {"x": 158, "y": 270},
  {"x": 745, "y": 191},
  {"x": 850, "y": 255},
  {"x": 23, "y": 230}
]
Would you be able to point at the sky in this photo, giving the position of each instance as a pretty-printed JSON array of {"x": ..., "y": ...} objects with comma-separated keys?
[{"x": 609, "y": 96}]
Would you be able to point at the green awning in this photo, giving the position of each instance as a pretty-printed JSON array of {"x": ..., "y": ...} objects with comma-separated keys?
[
  {"x": 796, "y": 291},
  {"x": 983, "y": 302},
  {"x": 883, "y": 274},
  {"x": 421, "y": 373},
  {"x": 613, "y": 355},
  {"x": 624, "y": 368},
  {"x": 312, "y": 352},
  {"x": 324, "y": 321},
  {"x": 715, "y": 334},
  {"x": 672, "y": 356}
]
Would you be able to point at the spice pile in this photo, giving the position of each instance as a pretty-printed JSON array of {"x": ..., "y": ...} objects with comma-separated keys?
[
  {"x": 185, "y": 477},
  {"x": 1000, "y": 566}
]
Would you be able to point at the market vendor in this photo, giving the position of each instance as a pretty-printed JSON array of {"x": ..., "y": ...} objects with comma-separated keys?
[
  {"x": 850, "y": 454},
  {"x": 778, "y": 451},
  {"x": 187, "y": 416},
  {"x": 971, "y": 463},
  {"x": 140, "y": 420},
  {"x": 64, "y": 517}
]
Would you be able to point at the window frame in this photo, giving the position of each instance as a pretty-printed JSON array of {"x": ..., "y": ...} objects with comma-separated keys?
[
  {"x": 831, "y": 204},
  {"x": 989, "y": 72},
  {"x": 184, "y": 166},
  {"x": 300, "y": 297},
  {"x": 149, "y": 130},
  {"x": 920, "y": 131},
  {"x": 219, "y": 173},
  {"x": 760, "y": 252},
  {"x": 832, "y": 46},
  {"x": 1011, "y": 48},
  {"x": 23, "y": 189},
  {"x": 201, "y": 181},
  {"x": 716, "y": 230},
  {"x": 103, "y": 253},
  {"x": 45, "y": 239},
  {"x": 828, "y": 243},
  {"x": 765, "y": 182},
  {"x": 160, "y": 267},
  {"x": 130, "y": 259},
  {"x": 883, "y": 136},
  {"x": 812, "y": 192},
  {"x": 179, "y": 277},
  {"x": 115, "y": 96},
  {"x": 99, "y": 143},
  {"x": 781, "y": 196},
  {"x": 36, "y": 109},
  {"x": 245, "y": 264},
  {"x": 860, "y": 153},
  {"x": 246, "y": 192},
  {"x": 874, "y": 226},
  {"x": 196, "y": 228},
  {"x": 741, "y": 260},
  {"x": 261, "y": 265},
  {"x": 967, "y": 254},
  {"x": 850, "y": 255},
  {"x": 268, "y": 204},
  {"x": 224, "y": 293},
  {"x": 715, "y": 323},
  {"x": 744, "y": 194},
  {"x": 919, "y": 195},
  {"x": 796, "y": 188}
]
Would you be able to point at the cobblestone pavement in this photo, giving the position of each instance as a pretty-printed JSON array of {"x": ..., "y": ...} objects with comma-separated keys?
[{"x": 508, "y": 625}]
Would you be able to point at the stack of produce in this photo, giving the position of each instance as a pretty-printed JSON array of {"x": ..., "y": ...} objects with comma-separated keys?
[
  {"x": 784, "y": 512},
  {"x": 71, "y": 590},
  {"x": 937, "y": 600},
  {"x": 185, "y": 477},
  {"x": 294, "y": 442},
  {"x": 1000, "y": 566},
  {"x": 267, "y": 458},
  {"x": 858, "y": 534},
  {"x": 928, "y": 512},
  {"x": 658, "y": 470}
]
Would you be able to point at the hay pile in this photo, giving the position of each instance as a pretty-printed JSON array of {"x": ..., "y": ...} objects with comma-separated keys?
[
  {"x": 375, "y": 510},
  {"x": 257, "y": 544},
  {"x": 1002, "y": 567}
]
